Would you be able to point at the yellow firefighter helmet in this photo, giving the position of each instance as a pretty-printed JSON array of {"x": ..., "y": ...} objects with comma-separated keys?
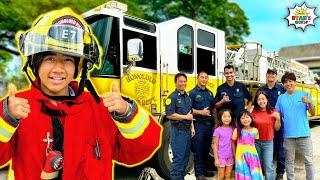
[{"x": 61, "y": 31}]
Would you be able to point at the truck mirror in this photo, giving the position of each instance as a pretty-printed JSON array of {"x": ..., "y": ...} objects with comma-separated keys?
[{"x": 135, "y": 50}]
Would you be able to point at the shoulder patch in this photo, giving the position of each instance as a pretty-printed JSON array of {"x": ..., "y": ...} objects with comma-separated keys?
[{"x": 168, "y": 101}]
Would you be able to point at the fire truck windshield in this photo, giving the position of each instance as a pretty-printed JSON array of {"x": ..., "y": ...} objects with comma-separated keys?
[{"x": 106, "y": 29}]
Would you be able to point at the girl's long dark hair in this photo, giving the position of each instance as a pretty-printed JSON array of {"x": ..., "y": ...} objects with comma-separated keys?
[
  {"x": 239, "y": 125},
  {"x": 255, "y": 102},
  {"x": 220, "y": 123}
]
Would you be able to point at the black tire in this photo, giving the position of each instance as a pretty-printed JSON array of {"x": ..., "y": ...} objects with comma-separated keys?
[{"x": 164, "y": 154}]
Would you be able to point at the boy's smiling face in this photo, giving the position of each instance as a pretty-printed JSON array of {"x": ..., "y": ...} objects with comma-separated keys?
[{"x": 56, "y": 72}]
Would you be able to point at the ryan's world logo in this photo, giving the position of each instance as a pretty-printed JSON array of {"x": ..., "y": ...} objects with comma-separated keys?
[{"x": 301, "y": 16}]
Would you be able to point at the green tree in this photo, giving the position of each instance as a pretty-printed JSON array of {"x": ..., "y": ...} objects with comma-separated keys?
[
  {"x": 19, "y": 81},
  {"x": 224, "y": 15},
  {"x": 19, "y": 14},
  {"x": 227, "y": 16},
  {"x": 5, "y": 57}
]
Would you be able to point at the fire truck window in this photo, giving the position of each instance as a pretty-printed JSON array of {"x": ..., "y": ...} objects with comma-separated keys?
[
  {"x": 185, "y": 49},
  {"x": 205, "y": 38},
  {"x": 106, "y": 29},
  {"x": 206, "y": 61},
  {"x": 149, "y": 49}
]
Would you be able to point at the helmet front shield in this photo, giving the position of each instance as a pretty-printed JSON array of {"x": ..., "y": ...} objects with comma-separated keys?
[{"x": 62, "y": 39}]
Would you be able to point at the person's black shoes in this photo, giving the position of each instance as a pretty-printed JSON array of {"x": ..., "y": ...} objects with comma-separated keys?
[
  {"x": 279, "y": 177},
  {"x": 208, "y": 173},
  {"x": 201, "y": 178}
]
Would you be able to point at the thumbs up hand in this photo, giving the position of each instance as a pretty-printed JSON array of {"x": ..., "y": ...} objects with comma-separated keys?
[
  {"x": 305, "y": 99},
  {"x": 18, "y": 108},
  {"x": 114, "y": 102}
]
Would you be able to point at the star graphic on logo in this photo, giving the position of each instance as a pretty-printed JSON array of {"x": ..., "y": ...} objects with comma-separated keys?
[{"x": 301, "y": 16}]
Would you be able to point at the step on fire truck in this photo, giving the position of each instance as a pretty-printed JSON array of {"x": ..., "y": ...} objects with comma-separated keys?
[{"x": 176, "y": 45}]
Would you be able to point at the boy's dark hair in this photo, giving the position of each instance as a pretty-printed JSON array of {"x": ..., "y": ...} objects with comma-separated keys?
[
  {"x": 179, "y": 75},
  {"x": 220, "y": 123},
  {"x": 38, "y": 58},
  {"x": 288, "y": 76},
  {"x": 239, "y": 125},
  {"x": 228, "y": 67},
  {"x": 202, "y": 71},
  {"x": 255, "y": 101}
]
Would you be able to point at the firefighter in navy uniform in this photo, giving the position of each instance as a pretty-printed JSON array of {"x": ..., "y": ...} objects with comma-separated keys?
[
  {"x": 232, "y": 94},
  {"x": 202, "y": 105},
  {"x": 178, "y": 110}
]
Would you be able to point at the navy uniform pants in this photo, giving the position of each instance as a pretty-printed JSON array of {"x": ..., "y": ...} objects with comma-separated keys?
[
  {"x": 180, "y": 141},
  {"x": 279, "y": 153},
  {"x": 201, "y": 143}
]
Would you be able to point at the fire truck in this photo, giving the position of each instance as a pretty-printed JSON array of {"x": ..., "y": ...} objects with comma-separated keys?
[
  {"x": 177, "y": 45},
  {"x": 167, "y": 48}
]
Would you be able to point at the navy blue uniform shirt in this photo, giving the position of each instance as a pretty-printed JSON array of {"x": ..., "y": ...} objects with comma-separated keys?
[
  {"x": 237, "y": 93},
  {"x": 273, "y": 93},
  {"x": 178, "y": 103},
  {"x": 201, "y": 98}
]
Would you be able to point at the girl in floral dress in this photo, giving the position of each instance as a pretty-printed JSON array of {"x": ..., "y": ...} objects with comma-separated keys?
[{"x": 247, "y": 160}]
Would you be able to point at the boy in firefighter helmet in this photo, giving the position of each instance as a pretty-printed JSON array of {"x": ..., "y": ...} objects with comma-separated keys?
[{"x": 55, "y": 129}]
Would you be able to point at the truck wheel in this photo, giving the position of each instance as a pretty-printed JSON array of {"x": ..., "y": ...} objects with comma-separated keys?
[{"x": 164, "y": 154}]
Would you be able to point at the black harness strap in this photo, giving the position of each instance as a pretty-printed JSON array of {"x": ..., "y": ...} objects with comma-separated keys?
[
  {"x": 57, "y": 128},
  {"x": 85, "y": 82},
  {"x": 57, "y": 134}
]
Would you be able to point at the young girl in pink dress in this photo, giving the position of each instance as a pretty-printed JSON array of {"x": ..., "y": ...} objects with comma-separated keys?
[{"x": 222, "y": 146}]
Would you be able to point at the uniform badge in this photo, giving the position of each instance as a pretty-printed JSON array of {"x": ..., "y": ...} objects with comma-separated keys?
[
  {"x": 279, "y": 93},
  {"x": 198, "y": 96},
  {"x": 237, "y": 90},
  {"x": 168, "y": 101}
]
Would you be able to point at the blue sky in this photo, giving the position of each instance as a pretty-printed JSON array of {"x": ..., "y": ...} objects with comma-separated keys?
[{"x": 268, "y": 26}]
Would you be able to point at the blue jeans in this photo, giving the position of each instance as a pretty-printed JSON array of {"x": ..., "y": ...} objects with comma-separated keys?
[
  {"x": 279, "y": 153},
  {"x": 265, "y": 152},
  {"x": 201, "y": 143},
  {"x": 180, "y": 141}
]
